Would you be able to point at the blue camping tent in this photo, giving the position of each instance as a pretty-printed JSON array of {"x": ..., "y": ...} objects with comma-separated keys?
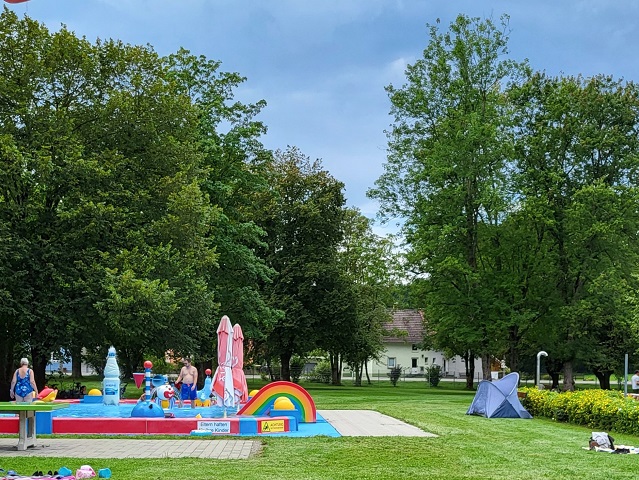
[{"x": 498, "y": 399}]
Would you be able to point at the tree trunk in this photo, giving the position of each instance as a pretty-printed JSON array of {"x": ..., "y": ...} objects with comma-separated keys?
[
  {"x": 513, "y": 355},
  {"x": 569, "y": 379},
  {"x": 336, "y": 369},
  {"x": 76, "y": 364},
  {"x": 604, "y": 379},
  {"x": 40, "y": 360},
  {"x": 359, "y": 368},
  {"x": 485, "y": 367},
  {"x": 368, "y": 376},
  {"x": 469, "y": 358},
  {"x": 285, "y": 360},
  {"x": 7, "y": 370}
]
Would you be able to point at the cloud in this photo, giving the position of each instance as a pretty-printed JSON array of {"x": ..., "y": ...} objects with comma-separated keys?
[{"x": 395, "y": 71}]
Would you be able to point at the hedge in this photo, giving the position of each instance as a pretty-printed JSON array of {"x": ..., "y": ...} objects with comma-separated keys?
[{"x": 605, "y": 410}]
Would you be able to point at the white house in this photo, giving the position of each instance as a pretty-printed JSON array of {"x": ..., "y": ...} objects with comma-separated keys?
[{"x": 403, "y": 350}]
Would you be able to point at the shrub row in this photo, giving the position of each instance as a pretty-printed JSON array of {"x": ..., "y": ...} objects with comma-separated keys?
[{"x": 598, "y": 409}]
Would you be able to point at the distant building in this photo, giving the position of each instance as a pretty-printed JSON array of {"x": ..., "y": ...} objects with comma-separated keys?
[{"x": 404, "y": 350}]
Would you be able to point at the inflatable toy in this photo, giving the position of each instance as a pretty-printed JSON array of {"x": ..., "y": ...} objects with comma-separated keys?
[
  {"x": 203, "y": 397},
  {"x": 200, "y": 403},
  {"x": 159, "y": 380},
  {"x": 165, "y": 396},
  {"x": 94, "y": 391},
  {"x": 252, "y": 393},
  {"x": 147, "y": 408},
  {"x": 47, "y": 394}
]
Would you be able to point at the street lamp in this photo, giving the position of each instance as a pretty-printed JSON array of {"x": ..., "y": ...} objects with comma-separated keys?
[{"x": 539, "y": 355}]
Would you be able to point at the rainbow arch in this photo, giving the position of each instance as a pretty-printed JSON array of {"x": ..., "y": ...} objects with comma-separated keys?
[{"x": 264, "y": 399}]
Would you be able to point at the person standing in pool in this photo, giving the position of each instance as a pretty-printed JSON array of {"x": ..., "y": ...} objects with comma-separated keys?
[
  {"x": 23, "y": 386},
  {"x": 188, "y": 378}
]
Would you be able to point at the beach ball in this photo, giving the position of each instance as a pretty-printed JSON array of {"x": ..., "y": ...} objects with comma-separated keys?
[
  {"x": 252, "y": 393},
  {"x": 95, "y": 391},
  {"x": 283, "y": 403}
]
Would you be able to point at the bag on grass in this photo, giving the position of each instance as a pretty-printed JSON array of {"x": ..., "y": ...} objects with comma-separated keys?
[
  {"x": 85, "y": 471},
  {"x": 602, "y": 440}
]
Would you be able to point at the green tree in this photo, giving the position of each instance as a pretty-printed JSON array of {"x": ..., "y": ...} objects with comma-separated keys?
[
  {"x": 102, "y": 198},
  {"x": 371, "y": 264},
  {"x": 446, "y": 175},
  {"x": 235, "y": 164},
  {"x": 304, "y": 225},
  {"x": 576, "y": 174}
]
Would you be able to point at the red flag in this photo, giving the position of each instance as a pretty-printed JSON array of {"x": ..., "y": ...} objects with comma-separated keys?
[{"x": 16, "y": 1}]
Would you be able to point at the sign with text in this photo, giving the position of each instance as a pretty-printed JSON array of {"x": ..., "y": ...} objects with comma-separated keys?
[
  {"x": 215, "y": 426},
  {"x": 272, "y": 426}
]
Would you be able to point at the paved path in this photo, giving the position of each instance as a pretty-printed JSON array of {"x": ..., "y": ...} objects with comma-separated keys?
[
  {"x": 367, "y": 423},
  {"x": 125, "y": 448},
  {"x": 349, "y": 423}
]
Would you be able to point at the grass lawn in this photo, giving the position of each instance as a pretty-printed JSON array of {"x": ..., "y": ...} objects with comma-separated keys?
[{"x": 468, "y": 447}]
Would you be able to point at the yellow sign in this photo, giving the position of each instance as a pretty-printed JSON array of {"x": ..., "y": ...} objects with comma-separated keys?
[{"x": 272, "y": 426}]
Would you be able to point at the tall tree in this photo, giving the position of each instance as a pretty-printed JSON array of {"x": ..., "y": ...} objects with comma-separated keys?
[
  {"x": 102, "y": 198},
  {"x": 577, "y": 162},
  {"x": 304, "y": 226},
  {"x": 372, "y": 266},
  {"x": 445, "y": 174},
  {"x": 235, "y": 182}
]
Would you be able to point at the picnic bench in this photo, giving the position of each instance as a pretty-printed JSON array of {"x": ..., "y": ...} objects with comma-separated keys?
[{"x": 26, "y": 414}]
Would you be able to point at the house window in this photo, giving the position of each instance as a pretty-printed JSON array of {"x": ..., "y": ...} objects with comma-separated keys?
[
  {"x": 414, "y": 347},
  {"x": 413, "y": 362},
  {"x": 391, "y": 362}
]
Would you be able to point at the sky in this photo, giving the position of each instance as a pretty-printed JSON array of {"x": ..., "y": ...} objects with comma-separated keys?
[{"x": 322, "y": 66}]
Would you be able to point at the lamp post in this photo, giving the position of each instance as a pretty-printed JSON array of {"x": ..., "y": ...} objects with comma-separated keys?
[{"x": 539, "y": 355}]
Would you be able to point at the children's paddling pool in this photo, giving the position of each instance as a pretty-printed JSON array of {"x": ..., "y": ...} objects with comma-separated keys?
[{"x": 82, "y": 418}]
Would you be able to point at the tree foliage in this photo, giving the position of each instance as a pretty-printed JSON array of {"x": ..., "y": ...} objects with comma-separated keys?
[
  {"x": 304, "y": 226},
  {"x": 519, "y": 193},
  {"x": 107, "y": 230},
  {"x": 446, "y": 175}
]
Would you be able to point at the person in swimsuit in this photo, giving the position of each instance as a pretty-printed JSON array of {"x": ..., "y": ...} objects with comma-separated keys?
[
  {"x": 23, "y": 386},
  {"x": 188, "y": 377}
]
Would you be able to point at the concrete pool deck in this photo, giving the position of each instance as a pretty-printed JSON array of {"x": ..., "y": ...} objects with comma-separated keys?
[{"x": 349, "y": 423}]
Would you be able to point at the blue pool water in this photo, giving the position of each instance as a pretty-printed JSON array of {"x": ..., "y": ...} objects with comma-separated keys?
[
  {"x": 89, "y": 410},
  {"x": 83, "y": 410}
]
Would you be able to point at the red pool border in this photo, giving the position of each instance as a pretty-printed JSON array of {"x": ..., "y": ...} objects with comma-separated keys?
[{"x": 159, "y": 426}]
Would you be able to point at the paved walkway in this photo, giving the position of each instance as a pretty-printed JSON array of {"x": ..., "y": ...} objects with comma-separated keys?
[
  {"x": 126, "y": 448},
  {"x": 349, "y": 423},
  {"x": 367, "y": 423}
]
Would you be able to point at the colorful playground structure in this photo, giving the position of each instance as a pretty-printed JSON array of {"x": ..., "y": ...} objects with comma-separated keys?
[
  {"x": 295, "y": 406},
  {"x": 278, "y": 407}
]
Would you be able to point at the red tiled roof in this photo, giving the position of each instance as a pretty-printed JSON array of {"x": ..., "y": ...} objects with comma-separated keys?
[{"x": 409, "y": 321}]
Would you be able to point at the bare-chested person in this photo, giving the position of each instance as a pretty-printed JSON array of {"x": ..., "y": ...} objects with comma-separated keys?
[{"x": 188, "y": 377}]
